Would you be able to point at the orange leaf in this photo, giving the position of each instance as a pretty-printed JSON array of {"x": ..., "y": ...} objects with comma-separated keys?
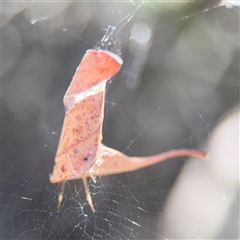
[{"x": 80, "y": 153}]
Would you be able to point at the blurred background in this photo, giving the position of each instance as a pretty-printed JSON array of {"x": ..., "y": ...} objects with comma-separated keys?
[{"x": 178, "y": 88}]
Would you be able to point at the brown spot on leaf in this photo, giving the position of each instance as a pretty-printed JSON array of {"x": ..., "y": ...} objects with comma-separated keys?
[
  {"x": 75, "y": 151},
  {"x": 63, "y": 168}
]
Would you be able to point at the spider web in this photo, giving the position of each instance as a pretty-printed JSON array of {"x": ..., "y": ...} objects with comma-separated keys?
[{"x": 178, "y": 88}]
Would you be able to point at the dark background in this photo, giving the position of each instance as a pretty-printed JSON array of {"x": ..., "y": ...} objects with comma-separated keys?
[{"x": 172, "y": 90}]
